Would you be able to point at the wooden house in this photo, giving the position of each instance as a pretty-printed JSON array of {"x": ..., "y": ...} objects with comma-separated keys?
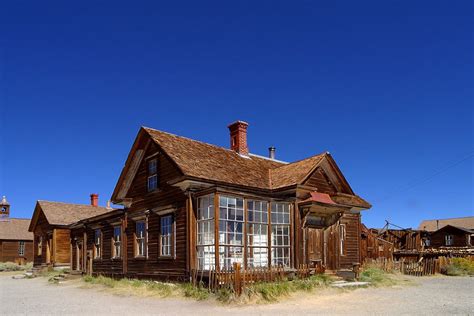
[
  {"x": 16, "y": 243},
  {"x": 190, "y": 205},
  {"x": 50, "y": 226},
  {"x": 452, "y": 236},
  {"x": 449, "y": 232}
]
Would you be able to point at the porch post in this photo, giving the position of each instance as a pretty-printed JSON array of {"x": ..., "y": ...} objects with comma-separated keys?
[{"x": 216, "y": 230}]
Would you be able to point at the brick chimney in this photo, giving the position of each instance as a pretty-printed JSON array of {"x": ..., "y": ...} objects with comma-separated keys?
[
  {"x": 94, "y": 199},
  {"x": 238, "y": 137}
]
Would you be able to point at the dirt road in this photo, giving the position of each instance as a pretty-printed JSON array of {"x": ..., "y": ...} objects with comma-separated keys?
[{"x": 431, "y": 296}]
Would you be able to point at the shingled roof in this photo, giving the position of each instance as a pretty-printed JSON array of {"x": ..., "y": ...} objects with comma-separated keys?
[
  {"x": 15, "y": 229},
  {"x": 63, "y": 214},
  {"x": 435, "y": 224},
  {"x": 210, "y": 162}
]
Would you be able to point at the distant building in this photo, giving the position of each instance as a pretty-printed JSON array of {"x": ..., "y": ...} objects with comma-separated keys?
[
  {"x": 450, "y": 232},
  {"x": 16, "y": 243}
]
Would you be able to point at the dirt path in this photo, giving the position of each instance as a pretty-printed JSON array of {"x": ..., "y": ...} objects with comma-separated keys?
[{"x": 435, "y": 295}]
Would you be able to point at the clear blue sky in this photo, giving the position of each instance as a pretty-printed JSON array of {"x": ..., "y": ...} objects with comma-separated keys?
[{"x": 385, "y": 86}]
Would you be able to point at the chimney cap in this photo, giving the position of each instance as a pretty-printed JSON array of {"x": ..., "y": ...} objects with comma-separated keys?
[{"x": 238, "y": 122}]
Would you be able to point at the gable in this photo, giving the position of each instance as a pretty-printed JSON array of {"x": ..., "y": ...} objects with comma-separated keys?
[
  {"x": 328, "y": 178},
  {"x": 167, "y": 171}
]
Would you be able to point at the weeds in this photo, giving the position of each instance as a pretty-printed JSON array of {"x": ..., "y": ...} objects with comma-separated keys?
[
  {"x": 377, "y": 277},
  {"x": 460, "y": 267},
  {"x": 11, "y": 266}
]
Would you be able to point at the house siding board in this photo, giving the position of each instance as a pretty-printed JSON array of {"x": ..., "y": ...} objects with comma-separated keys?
[
  {"x": 320, "y": 181},
  {"x": 42, "y": 229},
  {"x": 9, "y": 251},
  {"x": 351, "y": 251}
]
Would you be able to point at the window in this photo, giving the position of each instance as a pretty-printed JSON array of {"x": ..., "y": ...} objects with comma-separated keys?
[
  {"x": 231, "y": 221},
  {"x": 205, "y": 232},
  {"x": 140, "y": 239},
  {"x": 117, "y": 242},
  {"x": 97, "y": 243},
  {"x": 342, "y": 239},
  {"x": 449, "y": 240},
  {"x": 166, "y": 238},
  {"x": 257, "y": 234},
  {"x": 21, "y": 248},
  {"x": 280, "y": 219},
  {"x": 152, "y": 175},
  {"x": 427, "y": 242},
  {"x": 40, "y": 245}
]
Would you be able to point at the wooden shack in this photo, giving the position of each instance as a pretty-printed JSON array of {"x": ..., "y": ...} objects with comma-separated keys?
[
  {"x": 452, "y": 236},
  {"x": 190, "y": 205},
  {"x": 373, "y": 247},
  {"x": 16, "y": 243},
  {"x": 50, "y": 226}
]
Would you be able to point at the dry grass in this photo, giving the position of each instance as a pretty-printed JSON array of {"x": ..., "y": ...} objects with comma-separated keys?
[
  {"x": 11, "y": 266},
  {"x": 460, "y": 267}
]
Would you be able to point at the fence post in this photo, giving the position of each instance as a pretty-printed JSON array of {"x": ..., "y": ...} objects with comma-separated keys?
[{"x": 237, "y": 283}]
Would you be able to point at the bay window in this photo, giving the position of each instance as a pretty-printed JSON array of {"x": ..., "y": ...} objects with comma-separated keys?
[
  {"x": 205, "y": 233},
  {"x": 257, "y": 233},
  {"x": 280, "y": 223},
  {"x": 231, "y": 221}
]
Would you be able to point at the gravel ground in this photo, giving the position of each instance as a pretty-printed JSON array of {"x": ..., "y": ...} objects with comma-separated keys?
[{"x": 430, "y": 296}]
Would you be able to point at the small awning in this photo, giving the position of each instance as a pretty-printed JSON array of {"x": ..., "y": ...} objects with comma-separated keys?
[{"x": 320, "y": 211}]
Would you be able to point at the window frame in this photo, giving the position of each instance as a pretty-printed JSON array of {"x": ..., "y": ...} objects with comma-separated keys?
[
  {"x": 451, "y": 240},
  {"x": 234, "y": 217},
  {"x": 116, "y": 243},
  {"x": 152, "y": 174},
  {"x": 205, "y": 232},
  {"x": 97, "y": 244},
  {"x": 21, "y": 248},
  {"x": 172, "y": 238},
  {"x": 137, "y": 253},
  {"x": 263, "y": 226},
  {"x": 342, "y": 239},
  {"x": 281, "y": 226}
]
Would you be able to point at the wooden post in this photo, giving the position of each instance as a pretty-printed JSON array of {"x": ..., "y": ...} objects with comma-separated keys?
[
  {"x": 124, "y": 244},
  {"x": 269, "y": 206},
  {"x": 216, "y": 230}
]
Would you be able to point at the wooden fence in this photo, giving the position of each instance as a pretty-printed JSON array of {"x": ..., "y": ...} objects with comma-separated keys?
[
  {"x": 412, "y": 265},
  {"x": 237, "y": 279}
]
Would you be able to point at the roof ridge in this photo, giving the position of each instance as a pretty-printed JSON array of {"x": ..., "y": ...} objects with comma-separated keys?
[
  {"x": 443, "y": 219},
  {"x": 73, "y": 204},
  {"x": 304, "y": 159},
  {"x": 25, "y": 219}
]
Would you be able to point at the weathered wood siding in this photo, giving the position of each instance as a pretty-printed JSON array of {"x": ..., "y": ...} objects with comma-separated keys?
[
  {"x": 9, "y": 251},
  {"x": 42, "y": 229},
  {"x": 351, "y": 252},
  {"x": 61, "y": 246}
]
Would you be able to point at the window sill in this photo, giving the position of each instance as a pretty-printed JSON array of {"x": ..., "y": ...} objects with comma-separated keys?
[
  {"x": 166, "y": 258},
  {"x": 139, "y": 258},
  {"x": 116, "y": 259},
  {"x": 97, "y": 259}
]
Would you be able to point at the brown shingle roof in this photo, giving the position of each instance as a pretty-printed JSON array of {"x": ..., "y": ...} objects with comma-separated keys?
[
  {"x": 210, "y": 162},
  {"x": 435, "y": 224},
  {"x": 58, "y": 213},
  {"x": 295, "y": 172},
  {"x": 15, "y": 229}
]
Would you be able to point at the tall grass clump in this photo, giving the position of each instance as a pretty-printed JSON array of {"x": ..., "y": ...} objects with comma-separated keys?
[
  {"x": 11, "y": 266},
  {"x": 377, "y": 277},
  {"x": 460, "y": 267}
]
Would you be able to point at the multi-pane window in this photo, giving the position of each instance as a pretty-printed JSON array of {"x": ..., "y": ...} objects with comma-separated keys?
[
  {"x": 152, "y": 175},
  {"x": 449, "y": 240},
  {"x": 280, "y": 220},
  {"x": 40, "y": 245},
  {"x": 166, "y": 239},
  {"x": 140, "y": 239},
  {"x": 117, "y": 242},
  {"x": 205, "y": 232},
  {"x": 231, "y": 222},
  {"x": 21, "y": 248},
  {"x": 257, "y": 233},
  {"x": 342, "y": 239},
  {"x": 97, "y": 243}
]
